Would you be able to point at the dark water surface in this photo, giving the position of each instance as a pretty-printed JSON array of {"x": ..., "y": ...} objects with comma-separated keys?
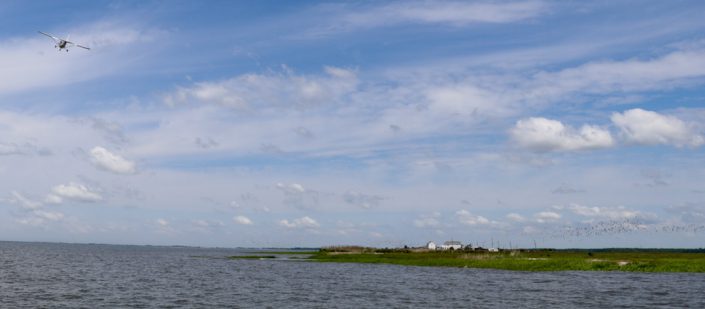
[{"x": 91, "y": 276}]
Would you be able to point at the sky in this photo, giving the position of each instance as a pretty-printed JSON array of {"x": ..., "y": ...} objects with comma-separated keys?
[{"x": 304, "y": 123}]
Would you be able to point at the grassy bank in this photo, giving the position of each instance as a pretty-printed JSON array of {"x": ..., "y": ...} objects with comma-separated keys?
[{"x": 529, "y": 260}]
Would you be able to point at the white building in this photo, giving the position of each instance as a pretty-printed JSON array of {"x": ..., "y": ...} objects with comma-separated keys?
[
  {"x": 431, "y": 245},
  {"x": 455, "y": 245}
]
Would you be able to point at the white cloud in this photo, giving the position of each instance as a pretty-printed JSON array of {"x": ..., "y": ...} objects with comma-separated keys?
[
  {"x": 242, "y": 220},
  {"x": 303, "y": 222},
  {"x": 467, "y": 12},
  {"x": 164, "y": 226},
  {"x": 516, "y": 217},
  {"x": 207, "y": 225},
  {"x": 162, "y": 222},
  {"x": 38, "y": 217},
  {"x": 74, "y": 191},
  {"x": 603, "y": 212},
  {"x": 650, "y": 128},
  {"x": 293, "y": 188},
  {"x": 547, "y": 216},
  {"x": 541, "y": 134},
  {"x": 690, "y": 213},
  {"x": 428, "y": 220},
  {"x": 529, "y": 230},
  {"x": 361, "y": 200},
  {"x": 33, "y": 212},
  {"x": 48, "y": 215},
  {"x": 464, "y": 99},
  {"x": 456, "y": 13},
  {"x": 465, "y": 217},
  {"x": 298, "y": 196},
  {"x": 8, "y": 149},
  {"x": 565, "y": 188},
  {"x": 674, "y": 69},
  {"x": 53, "y": 199},
  {"x": 26, "y": 203},
  {"x": 262, "y": 91},
  {"x": 108, "y": 161}
]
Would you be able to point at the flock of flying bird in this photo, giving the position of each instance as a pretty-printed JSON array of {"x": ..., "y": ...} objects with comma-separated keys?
[{"x": 616, "y": 227}]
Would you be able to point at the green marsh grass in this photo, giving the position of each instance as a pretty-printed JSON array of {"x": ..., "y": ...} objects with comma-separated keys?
[{"x": 529, "y": 260}]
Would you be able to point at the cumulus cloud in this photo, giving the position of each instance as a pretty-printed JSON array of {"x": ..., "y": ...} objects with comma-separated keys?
[
  {"x": 541, "y": 134},
  {"x": 644, "y": 127},
  {"x": 242, "y": 220},
  {"x": 74, "y": 191},
  {"x": 303, "y": 222},
  {"x": 465, "y": 217},
  {"x": 108, "y": 161},
  {"x": 547, "y": 216}
]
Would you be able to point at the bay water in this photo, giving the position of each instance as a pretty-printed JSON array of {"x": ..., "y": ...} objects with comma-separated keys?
[{"x": 53, "y": 275}]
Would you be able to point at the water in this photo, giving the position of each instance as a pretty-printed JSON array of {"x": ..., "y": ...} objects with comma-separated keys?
[{"x": 66, "y": 275}]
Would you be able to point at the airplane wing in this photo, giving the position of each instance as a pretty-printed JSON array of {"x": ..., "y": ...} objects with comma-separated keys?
[
  {"x": 51, "y": 36},
  {"x": 78, "y": 45}
]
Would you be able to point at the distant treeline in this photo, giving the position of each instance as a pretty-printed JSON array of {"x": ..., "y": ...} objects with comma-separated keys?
[{"x": 669, "y": 250}]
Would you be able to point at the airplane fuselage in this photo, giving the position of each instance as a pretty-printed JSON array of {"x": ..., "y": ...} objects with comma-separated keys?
[{"x": 61, "y": 44}]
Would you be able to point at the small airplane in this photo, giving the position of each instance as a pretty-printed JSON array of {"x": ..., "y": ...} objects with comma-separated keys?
[{"x": 63, "y": 43}]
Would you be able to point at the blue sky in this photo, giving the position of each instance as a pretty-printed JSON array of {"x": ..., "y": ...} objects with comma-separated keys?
[{"x": 269, "y": 124}]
